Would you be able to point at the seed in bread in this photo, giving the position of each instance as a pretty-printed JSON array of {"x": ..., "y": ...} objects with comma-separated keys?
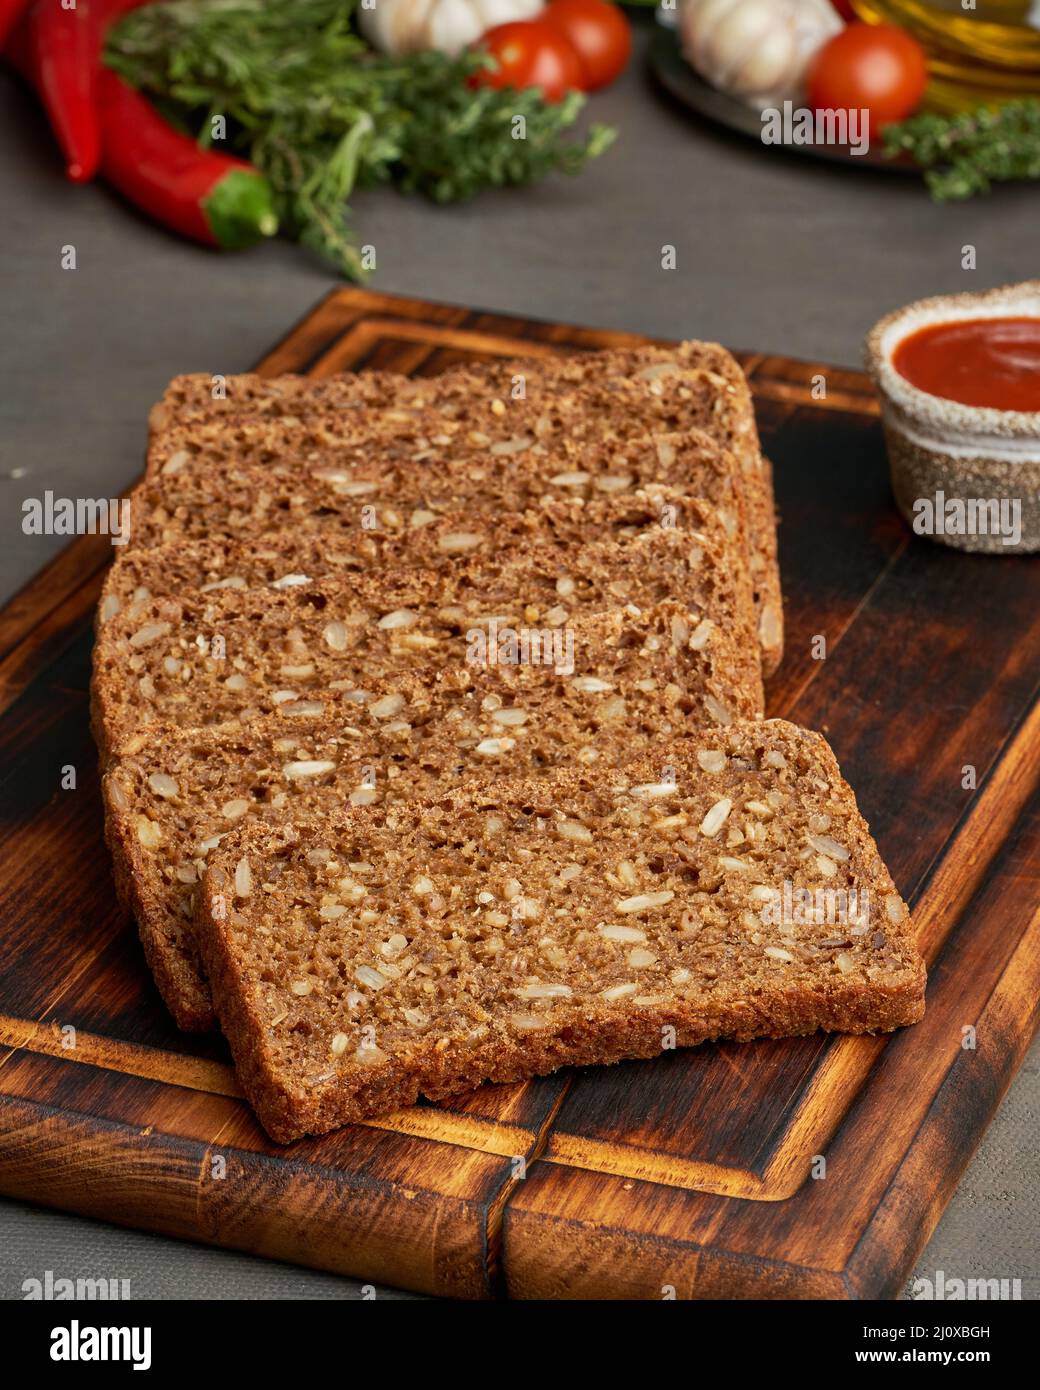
[
  {"x": 503, "y": 930},
  {"x": 580, "y": 399},
  {"x": 318, "y": 535},
  {"x": 208, "y": 656},
  {"x": 638, "y": 682}
]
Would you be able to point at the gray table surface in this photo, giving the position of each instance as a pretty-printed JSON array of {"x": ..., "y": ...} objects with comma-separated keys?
[{"x": 773, "y": 252}]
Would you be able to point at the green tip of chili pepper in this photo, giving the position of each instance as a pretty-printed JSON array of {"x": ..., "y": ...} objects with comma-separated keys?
[{"x": 240, "y": 210}]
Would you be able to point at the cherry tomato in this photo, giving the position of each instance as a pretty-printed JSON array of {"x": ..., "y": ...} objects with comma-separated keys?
[
  {"x": 844, "y": 8},
  {"x": 530, "y": 54},
  {"x": 598, "y": 32},
  {"x": 875, "y": 66}
]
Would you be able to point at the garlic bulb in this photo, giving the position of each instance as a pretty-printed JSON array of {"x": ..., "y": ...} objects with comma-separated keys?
[
  {"x": 404, "y": 26},
  {"x": 757, "y": 50}
]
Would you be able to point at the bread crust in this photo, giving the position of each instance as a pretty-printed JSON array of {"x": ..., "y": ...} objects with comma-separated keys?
[{"x": 170, "y": 948}]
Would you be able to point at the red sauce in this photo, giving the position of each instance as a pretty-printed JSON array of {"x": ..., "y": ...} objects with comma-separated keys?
[{"x": 990, "y": 362}]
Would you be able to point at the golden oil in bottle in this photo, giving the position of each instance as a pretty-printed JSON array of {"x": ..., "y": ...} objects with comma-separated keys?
[{"x": 989, "y": 53}]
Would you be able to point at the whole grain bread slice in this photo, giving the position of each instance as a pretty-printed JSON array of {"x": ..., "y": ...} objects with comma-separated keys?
[
  {"x": 396, "y": 515},
  {"x": 503, "y": 930},
  {"x": 636, "y": 681},
  {"x": 319, "y": 535},
  {"x": 366, "y": 511},
  {"x": 232, "y": 653},
  {"x": 295, "y": 555},
  {"x": 380, "y": 487},
  {"x": 247, "y": 503},
  {"x": 605, "y": 397}
]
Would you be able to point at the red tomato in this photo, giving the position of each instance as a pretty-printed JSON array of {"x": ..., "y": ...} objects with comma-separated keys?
[
  {"x": 598, "y": 32},
  {"x": 844, "y": 8},
  {"x": 876, "y": 66},
  {"x": 530, "y": 54}
]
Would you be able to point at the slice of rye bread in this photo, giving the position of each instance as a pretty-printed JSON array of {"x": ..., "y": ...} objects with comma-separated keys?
[
  {"x": 170, "y": 792},
  {"x": 341, "y": 545},
  {"x": 598, "y": 396},
  {"x": 505, "y": 929},
  {"x": 205, "y": 658},
  {"x": 364, "y": 489},
  {"x": 247, "y": 501},
  {"x": 317, "y": 535}
]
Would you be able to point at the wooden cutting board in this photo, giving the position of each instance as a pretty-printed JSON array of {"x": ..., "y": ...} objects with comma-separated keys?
[{"x": 697, "y": 1174}]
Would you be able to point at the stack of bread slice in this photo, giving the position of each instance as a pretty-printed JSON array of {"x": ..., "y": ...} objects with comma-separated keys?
[{"x": 431, "y": 723}]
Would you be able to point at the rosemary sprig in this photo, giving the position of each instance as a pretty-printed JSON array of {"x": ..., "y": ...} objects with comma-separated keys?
[
  {"x": 319, "y": 113},
  {"x": 967, "y": 153}
]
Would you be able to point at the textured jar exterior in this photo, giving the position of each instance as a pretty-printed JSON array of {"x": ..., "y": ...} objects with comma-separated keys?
[{"x": 943, "y": 447}]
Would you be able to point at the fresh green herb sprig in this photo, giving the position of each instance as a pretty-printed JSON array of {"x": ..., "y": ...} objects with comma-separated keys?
[
  {"x": 319, "y": 113},
  {"x": 967, "y": 153}
]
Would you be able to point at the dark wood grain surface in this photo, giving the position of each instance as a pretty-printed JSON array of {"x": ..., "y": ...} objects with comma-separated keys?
[{"x": 691, "y": 1173}]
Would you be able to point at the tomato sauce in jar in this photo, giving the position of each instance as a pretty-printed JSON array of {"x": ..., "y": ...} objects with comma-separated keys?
[{"x": 982, "y": 362}]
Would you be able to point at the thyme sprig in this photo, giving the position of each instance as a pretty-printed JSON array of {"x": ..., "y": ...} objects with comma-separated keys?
[
  {"x": 320, "y": 114},
  {"x": 967, "y": 153}
]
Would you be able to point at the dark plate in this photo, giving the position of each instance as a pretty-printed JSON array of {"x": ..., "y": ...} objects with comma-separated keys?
[{"x": 675, "y": 74}]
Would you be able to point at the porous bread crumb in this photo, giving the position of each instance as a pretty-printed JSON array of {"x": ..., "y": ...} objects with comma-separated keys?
[
  {"x": 225, "y": 655},
  {"x": 482, "y": 989},
  {"x": 356, "y": 475},
  {"x": 581, "y": 401},
  {"x": 410, "y": 740}
]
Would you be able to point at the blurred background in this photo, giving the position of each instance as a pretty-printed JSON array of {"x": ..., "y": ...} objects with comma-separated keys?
[{"x": 776, "y": 250}]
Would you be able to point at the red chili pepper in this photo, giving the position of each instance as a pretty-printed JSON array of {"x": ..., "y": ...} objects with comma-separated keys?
[
  {"x": 100, "y": 119},
  {"x": 10, "y": 14},
  {"x": 57, "y": 50},
  {"x": 210, "y": 197}
]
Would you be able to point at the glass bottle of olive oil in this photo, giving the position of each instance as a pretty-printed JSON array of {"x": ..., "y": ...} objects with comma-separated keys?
[{"x": 978, "y": 50}]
